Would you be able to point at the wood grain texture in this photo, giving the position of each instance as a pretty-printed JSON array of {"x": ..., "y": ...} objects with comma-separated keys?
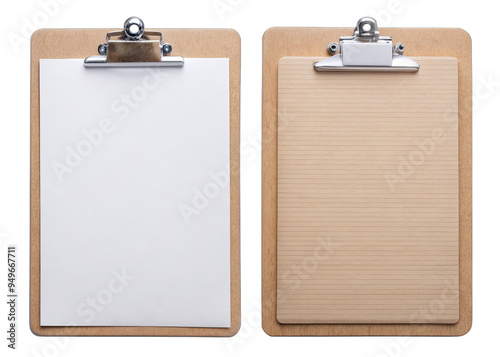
[
  {"x": 367, "y": 194},
  {"x": 312, "y": 42},
  {"x": 190, "y": 43}
]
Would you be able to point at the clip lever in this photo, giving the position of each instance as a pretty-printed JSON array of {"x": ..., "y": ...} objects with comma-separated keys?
[
  {"x": 134, "y": 47},
  {"x": 366, "y": 50}
]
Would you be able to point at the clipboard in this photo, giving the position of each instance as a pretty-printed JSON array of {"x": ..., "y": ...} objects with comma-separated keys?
[
  {"x": 296, "y": 169},
  {"x": 126, "y": 48}
]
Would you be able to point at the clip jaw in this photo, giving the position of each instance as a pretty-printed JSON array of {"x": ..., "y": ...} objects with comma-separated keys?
[
  {"x": 366, "y": 50},
  {"x": 134, "y": 47}
]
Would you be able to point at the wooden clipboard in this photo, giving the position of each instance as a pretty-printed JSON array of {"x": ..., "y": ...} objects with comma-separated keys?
[
  {"x": 313, "y": 42},
  {"x": 80, "y": 43}
]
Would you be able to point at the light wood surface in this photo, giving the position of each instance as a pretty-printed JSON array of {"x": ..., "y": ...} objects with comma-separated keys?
[
  {"x": 190, "y": 43},
  {"x": 312, "y": 42},
  {"x": 367, "y": 194}
]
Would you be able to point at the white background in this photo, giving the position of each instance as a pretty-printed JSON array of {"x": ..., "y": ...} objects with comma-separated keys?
[{"x": 251, "y": 18}]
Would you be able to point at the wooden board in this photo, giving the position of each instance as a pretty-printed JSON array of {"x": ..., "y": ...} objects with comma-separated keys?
[
  {"x": 189, "y": 43},
  {"x": 368, "y": 194},
  {"x": 312, "y": 42}
]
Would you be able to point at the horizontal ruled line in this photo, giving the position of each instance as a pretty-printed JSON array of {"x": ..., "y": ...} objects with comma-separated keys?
[{"x": 384, "y": 253}]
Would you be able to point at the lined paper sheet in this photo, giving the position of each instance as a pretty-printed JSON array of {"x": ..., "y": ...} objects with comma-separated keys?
[
  {"x": 135, "y": 199},
  {"x": 368, "y": 194}
]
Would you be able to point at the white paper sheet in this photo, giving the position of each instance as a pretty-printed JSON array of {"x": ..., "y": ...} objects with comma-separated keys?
[{"x": 135, "y": 216}]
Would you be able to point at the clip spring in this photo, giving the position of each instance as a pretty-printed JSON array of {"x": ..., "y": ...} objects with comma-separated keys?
[
  {"x": 134, "y": 47},
  {"x": 366, "y": 50}
]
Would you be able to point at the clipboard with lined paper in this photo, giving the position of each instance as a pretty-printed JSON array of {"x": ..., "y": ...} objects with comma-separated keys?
[{"x": 369, "y": 229}]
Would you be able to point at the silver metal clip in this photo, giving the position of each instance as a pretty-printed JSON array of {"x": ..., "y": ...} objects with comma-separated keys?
[
  {"x": 366, "y": 50},
  {"x": 134, "y": 47}
]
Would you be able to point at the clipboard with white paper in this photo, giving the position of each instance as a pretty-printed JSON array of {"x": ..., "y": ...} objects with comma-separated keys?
[{"x": 137, "y": 214}]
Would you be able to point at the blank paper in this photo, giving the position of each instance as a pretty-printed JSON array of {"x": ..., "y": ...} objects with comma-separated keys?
[{"x": 135, "y": 202}]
